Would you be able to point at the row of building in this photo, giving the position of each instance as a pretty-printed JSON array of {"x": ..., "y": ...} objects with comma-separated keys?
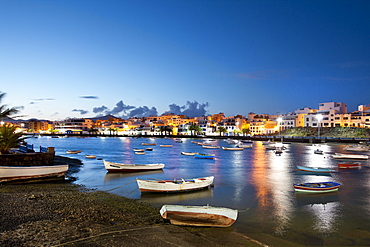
[{"x": 330, "y": 114}]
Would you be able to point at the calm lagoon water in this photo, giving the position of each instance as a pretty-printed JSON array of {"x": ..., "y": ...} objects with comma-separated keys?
[{"x": 255, "y": 181}]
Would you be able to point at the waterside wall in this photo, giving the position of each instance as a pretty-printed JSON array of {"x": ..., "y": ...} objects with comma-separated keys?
[{"x": 27, "y": 159}]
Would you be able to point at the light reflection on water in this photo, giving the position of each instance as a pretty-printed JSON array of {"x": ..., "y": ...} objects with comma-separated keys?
[{"x": 255, "y": 181}]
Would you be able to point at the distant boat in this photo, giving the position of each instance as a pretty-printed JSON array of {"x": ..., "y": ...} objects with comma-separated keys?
[
  {"x": 350, "y": 156},
  {"x": 90, "y": 156},
  {"x": 199, "y": 215},
  {"x": 357, "y": 148},
  {"x": 244, "y": 145},
  {"x": 148, "y": 144},
  {"x": 211, "y": 147},
  {"x": 120, "y": 167},
  {"x": 189, "y": 153},
  {"x": 351, "y": 165},
  {"x": 232, "y": 149},
  {"x": 204, "y": 156},
  {"x": 11, "y": 173},
  {"x": 321, "y": 187},
  {"x": 140, "y": 153},
  {"x": 182, "y": 185},
  {"x": 73, "y": 151},
  {"x": 138, "y": 149},
  {"x": 318, "y": 151},
  {"x": 149, "y": 149},
  {"x": 314, "y": 169},
  {"x": 165, "y": 146}
]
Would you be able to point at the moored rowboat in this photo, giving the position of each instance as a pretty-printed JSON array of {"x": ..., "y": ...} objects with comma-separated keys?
[
  {"x": 233, "y": 149},
  {"x": 354, "y": 165},
  {"x": 320, "y": 187},
  {"x": 189, "y": 153},
  {"x": 199, "y": 215},
  {"x": 204, "y": 156},
  {"x": 314, "y": 169},
  {"x": 183, "y": 185},
  {"x": 119, "y": 167},
  {"x": 11, "y": 173},
  {"x": 350, "y": 156}
]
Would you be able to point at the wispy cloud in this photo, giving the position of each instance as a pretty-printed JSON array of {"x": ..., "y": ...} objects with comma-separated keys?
[
  {"x": 89, "y": 97},
  {"x": 35, "y": 101},
  {"x": 347, "y": 79},
  {"x": 352, "y": 64},
  {"x": 190, "y": 109},
  {"x": 271, "y": 74},
  {"x": 82, "y": 112}
]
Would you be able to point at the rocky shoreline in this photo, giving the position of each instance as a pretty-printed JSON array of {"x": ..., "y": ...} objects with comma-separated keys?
[{"x": 59, "y": 213}]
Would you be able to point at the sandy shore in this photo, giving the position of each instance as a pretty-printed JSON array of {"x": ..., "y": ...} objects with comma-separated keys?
[{"x": 64, "y": 214}]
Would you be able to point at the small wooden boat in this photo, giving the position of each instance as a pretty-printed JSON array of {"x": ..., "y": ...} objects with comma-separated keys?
[
  {"x": 204, "y": 156},
  {"x": 199, "y": 215},
  {"x": 318, "y": 151},
  {"x": 73, "y": 151},
  {"x": 351, "y": 165},
  {"x": 165, "y": 146},
  {"x": 321, "y": 187},
  {"x": 244, "y": 145},
  {"x": 140, "y": 153},
  {"x": 357, "y": 148},
  {"x": 211, "y": 147},
  {"x": 182, "y": 185},
  {"x": 350, "y": 156},
  {"x": 149, "y": 149},
  {"x": 11, "y": 173},
  {"x": 148, "y": 144},
  {"x": 90, "y": 156},
  {"x": 189, "y": 153},
  {"x": 138, "y": 149},
  {"x": 314, "y": 169},
  {"x": 232, "y": 149},
  {"x": 119, "y": 167}
]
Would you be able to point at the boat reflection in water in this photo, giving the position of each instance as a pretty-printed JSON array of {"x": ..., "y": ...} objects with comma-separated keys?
[
  {"x": 117, "y": 176},
  {"x": 160, "y": 199},
  {"x": 311, "y": 199}
]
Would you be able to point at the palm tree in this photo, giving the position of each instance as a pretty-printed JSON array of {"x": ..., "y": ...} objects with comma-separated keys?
[
  {"x": 6, "y": 112},
  {"x": 221, "y": 130},
  {"x": 194, "y": 128},
  {"x": 246, "y": 131},
  {"x": 9, "y": 138}
]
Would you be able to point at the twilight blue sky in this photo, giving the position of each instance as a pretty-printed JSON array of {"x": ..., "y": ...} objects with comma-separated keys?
[{"x": 83, "y": 58}]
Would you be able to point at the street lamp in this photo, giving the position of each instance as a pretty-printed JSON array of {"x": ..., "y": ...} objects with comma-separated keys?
[
  {"x": 279, "y": 121},
  {"x": 319, "y": 117}
]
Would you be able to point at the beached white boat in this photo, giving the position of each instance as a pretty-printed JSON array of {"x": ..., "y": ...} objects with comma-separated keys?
[
  {"x": 357, "y": 148},
  {"x": 199, "y": 215},
  {"x": 350, "y": 156},
  {"x": 119, "y": 167},
  {"x": 182, "y": 185},
  {"x": 11, "y": 173},
  {"x": 232, "y": 149}
]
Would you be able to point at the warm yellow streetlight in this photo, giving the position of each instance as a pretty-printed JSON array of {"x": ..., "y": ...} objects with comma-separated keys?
[{"x": 319, "y": 117}]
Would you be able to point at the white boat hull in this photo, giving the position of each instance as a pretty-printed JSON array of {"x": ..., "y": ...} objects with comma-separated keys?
[
  {"x": 11, "y": 173},
  {"x": 118, "y": 167},
  {"x": 199, "y": 215},
  {"x": 350, "y": 156},
  {"x": 167, "y": 186}
]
